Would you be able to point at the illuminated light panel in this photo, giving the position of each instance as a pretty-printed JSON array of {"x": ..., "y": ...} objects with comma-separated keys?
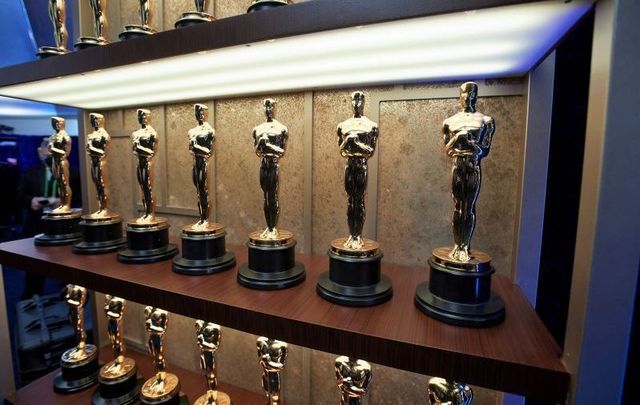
[{"x": 495, "y": 42}]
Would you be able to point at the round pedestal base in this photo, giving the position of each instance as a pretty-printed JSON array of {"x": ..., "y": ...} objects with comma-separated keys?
[
  {"x": 222, "y": 399},
  {"x": 118, "y": 392},
  {"x": 271, "y": 267},
  {"x": 266, "y": 5},
  {"x": 76, "y": 378},
  {"x": 460, "y": 296},
  {"x": 59, "y": 229},
  {"x": 180, "y": 399},
  {"x": 203, "y": 254},
  {"x": 48, "y": 51},
  {"x": 135, "y": 31},
  {"x": 354, "y": 281},
  {"x": 100, "y": 236},
  {"x": 89, "y": 42},
  {"x": 147, "y": 244},
  {"x": 193, "y": 18}
]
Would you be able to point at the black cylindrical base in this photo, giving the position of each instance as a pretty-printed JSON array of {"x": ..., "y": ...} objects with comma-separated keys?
[
  {"x": 73, "y": 379},
  {"x": 460, "y": 297},
  {"x": 100, "y": 237},
  {"x": 354, "y": 281},
  {"x": 135, "y": 31},
  {"x": 59, "y": 230},
  {"x": 203, "y": 254},
  {"x": 265, "y": 5},
  {"x": 271, "y": 267},
  {"x": 118, "y": 392},
  {"x": 147, "y": 245},
  {"x": 193, "y": 18}
]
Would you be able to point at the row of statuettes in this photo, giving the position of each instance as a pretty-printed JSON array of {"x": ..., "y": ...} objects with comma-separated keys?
[
  {"x": 459, "y": 290},
  {"x": 120, "y": 383}
]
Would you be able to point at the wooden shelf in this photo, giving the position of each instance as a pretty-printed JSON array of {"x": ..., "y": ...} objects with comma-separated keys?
[
  {"x": 518, "y": 356},
  {"x": 193, "y": 385}
]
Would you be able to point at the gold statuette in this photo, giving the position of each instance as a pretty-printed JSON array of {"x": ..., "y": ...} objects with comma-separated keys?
[
  {"x": 273, "y": 357},
  {"x": 145, "y": 14},
  {"x": 60, "y": 147},
  {"x": 163, "y": 386},
  {"x": 99, "y": 14},
  {"x": 353, "y": 378},
  {"x": 443, "y": 392},
  {"x": 195, "y": 17},
  {"x": 208, "y": 337},
  {"x": 121, "y": 366},
  {"x": 57, "y": 15}
]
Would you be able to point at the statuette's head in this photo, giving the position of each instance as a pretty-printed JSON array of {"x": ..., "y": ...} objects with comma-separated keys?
[
  {"x": 202, "y": 112},
  {"x": 144, "y": 117},
  {"x": 57, "y": 123},
  {"x": 269, "y": 108},
  {"x": 357, "y": 101},
  {"x": 468, "y": 96},
  {"x": 97, "y": 120}
]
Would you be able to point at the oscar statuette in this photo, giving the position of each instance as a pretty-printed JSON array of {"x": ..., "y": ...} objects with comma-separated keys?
[
  {"x": 101, "y": 230},
  {"x": 57, "y": 15},
  {"x": 195, "y": 17},
  {"x": 271, "y": 256},
  {"x": 61, "y": 225},
  {"x": 443, "y": 392},
  {"x": 99, "y": 14},
  {"x": 259, "y": 5},
  {"x": 203, "y": 243},
  {"x": 353, "y": 378},
  {"x": 208, "y": 337},
  {"x": 459, "y": 286},
  {"x": 272, "y": 355},
  {"x": 119, "y": 382},
  {"x": 163, "y": 388},
  {"x": 78, "y": 365},
  {"x": 354, "y": 276},
  {"x": 143, "y": 29},
  {"x": 148, "y": 235}
]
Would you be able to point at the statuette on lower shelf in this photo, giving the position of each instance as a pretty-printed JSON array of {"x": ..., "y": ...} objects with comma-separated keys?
[
  {"x": 57, "y": 15},
  {"x": 163, "y": 388},
  {"x": 203, "y": 243},
  {"x": 208, "y": 336},
  {"x": 119, "y": 382},
  {"x": 353, "y": 377},
  {"x": 145, "y": 13},
  {"x": 271, "y": 251},
  {"x": 354, "y": 276},
  {"x": 444, "y": 392},
  {"x": 79, "y": 365},
  {"x": 272, "y": 355},
  {"x": 467, "y": 138},
  {"x": 61, "y": 225},
  {"x": 99, "y": 14},
  {"x": 101, "y": 230},
  {"x": 148, "y": 235},
  {"x": 195, "y": 17}
]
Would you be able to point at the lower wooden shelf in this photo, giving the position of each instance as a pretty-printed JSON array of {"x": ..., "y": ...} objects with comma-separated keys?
[
  {"x": 193, "y": 385},
  {"x": 518, "y": 356}
]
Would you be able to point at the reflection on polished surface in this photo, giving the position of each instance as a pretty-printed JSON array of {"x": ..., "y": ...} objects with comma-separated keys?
[
  {"x": 97, "y": 144},
  {"x": 208, "y": 337},
  {"x": 353, "y": 377},
  {"x": 467, "y": 139},
  {"x": 357, "y": 138},
  {"x": 60, "y": 147},
  {"x": 272, "y": 354},
  {"x": 145, "y": 142},
  {"x": 443, "y": 392}
]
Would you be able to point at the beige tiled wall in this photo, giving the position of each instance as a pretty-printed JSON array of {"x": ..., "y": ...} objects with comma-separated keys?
[{"x": 413, "y": 196}]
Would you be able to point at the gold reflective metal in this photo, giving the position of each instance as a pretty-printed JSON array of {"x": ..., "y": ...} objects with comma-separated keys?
[
  {"x": 353, "y": 377},
  {"x": 99, "y": 8},
  {"x": 97, "y": 147},
  {"x": 467, "y": 139},
  {"x": 272, "y": 355},
  {"x": 121, "y": 366},
  {"x": 208, "y": 336},
  {"x": 60, "y": 147},
  {"x": 195, "y": 17},
  {"x": 163, "y": 385},
  {"x": 145, "y": 142},
  {"x": 57, "y": 15},
  {"x": 83, "y": 353},
  {"x": 145, "y": 14},
  {"x": 357, "y": 139},
  {"x": 443, "y": 392}
]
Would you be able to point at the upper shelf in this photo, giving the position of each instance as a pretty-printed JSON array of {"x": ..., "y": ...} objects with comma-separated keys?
[
  {"x": 517, "y": 356},
  {"x": 316, "y": 44}
]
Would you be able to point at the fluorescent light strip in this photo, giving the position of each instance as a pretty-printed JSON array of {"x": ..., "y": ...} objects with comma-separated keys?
[{"x": 479, "y": 44}]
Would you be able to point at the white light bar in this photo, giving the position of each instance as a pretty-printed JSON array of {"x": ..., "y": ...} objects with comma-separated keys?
[{"x": 495, "y": 42}]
